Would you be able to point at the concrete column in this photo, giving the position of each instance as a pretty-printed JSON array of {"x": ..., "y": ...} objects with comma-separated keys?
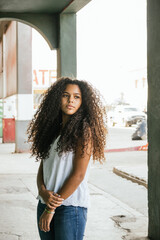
[
  {"x": 1, "y": 87},
  {"x": 9, "y": 83},
  {"x": 153, "y": 22},
  {"x": 24, "y": 85},
  {"x": 66, "y": 53},
  {"x": 1, "y": 70}
]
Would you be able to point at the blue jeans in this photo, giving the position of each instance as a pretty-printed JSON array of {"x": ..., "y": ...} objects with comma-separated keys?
[{"x": 68, "y": 223}]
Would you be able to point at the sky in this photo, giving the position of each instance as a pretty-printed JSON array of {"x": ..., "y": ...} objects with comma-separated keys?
[
  {"x": 111, "y": 44},
  {"x": 111, "y": 38}
]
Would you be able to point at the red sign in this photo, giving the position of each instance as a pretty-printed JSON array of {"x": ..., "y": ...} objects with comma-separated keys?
[{"x": 43, "y": 78}]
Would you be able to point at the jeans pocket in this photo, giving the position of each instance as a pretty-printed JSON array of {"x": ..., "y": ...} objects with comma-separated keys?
[{"x": 85, "y": 213}]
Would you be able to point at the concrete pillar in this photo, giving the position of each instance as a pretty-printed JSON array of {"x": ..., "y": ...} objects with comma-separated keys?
[
  {"x": 1, "y": 87},
  {"x": 24, "y": 85},
  {"x": 153, "y": 22},
  {"x": 66, "y": 53},
  {"x": 9, "y": 79},
  {"x": 1, "y": 70}
]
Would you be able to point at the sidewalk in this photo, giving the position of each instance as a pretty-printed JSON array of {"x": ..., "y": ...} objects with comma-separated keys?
[{"x": 108, "y": 218}]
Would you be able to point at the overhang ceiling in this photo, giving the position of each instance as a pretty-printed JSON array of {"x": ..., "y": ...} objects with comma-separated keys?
[
  {"x": 41, "y": 6},
  {"x": 3, "y": 27},
  {"x": 43, "y": 15}
]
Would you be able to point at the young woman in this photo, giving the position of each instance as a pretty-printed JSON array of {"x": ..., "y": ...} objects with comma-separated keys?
[{"x": 67, "y": 130}]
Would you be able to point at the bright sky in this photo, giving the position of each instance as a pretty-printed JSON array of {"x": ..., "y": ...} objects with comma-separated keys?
[
  {"x": 42, "y": 56},
  {"x": 111, "y": 40}
]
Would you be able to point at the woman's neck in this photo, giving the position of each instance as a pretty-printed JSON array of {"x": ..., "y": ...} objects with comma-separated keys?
[{"x": 65, "y": 119}]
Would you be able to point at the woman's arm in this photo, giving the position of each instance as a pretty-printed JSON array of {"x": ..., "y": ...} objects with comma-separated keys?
[
  {"x": 51, "y": 199},
  {"x": 79, "y": 170},
  {"x": 40, "y": 182}
]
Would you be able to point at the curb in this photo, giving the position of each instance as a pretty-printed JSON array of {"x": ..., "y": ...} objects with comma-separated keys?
[
  {"x": 123, "y": 149},
  {"x": 136, "y": 148},
  {"x": 130, "y": 177}
]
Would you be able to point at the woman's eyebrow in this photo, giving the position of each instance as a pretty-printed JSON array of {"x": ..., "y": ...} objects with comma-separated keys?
[{"x": 73, "y": 93}]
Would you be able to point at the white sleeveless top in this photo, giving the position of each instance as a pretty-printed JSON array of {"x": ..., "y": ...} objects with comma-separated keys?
[{"x": 56, "y": 169}]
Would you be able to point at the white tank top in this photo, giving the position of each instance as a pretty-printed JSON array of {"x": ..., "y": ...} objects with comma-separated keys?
[{"x": 56, "y": 169}]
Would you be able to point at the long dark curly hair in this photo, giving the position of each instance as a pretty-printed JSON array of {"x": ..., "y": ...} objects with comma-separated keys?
[{"x": 89, "y": 122}]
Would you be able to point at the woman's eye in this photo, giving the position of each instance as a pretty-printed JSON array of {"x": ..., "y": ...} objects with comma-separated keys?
[
  {"x": 65, "y": 95},
  {"x": 77, "y": 97}
]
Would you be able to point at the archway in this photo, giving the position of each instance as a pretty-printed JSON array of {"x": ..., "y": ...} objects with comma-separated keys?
[{"x": 16, "y": 81}]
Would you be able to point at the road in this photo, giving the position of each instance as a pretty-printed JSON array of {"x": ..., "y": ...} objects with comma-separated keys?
[
  {"x": 120, "y": 137},
  {"x": 102, "y": 176}
]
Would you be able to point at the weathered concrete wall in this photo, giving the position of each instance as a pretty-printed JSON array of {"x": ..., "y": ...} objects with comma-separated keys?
[
  {"x": 9, "y": 82},
  {"x": 24, "y": 85},
  {"x": 24, "y": 59},
  {"x": 21, "y": 136},
  {"x": 9, "y": 58},
  {"x": 153, "y": 22},
  {"x": 1, "y": 70}
]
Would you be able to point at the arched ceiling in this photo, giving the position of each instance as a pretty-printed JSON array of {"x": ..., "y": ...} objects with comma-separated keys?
[{"x": 43, "y": 15}]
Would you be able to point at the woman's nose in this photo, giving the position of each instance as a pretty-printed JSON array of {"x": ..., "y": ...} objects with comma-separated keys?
[{"x": 71, "y": 99}]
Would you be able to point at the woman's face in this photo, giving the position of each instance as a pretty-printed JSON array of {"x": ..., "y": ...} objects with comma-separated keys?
[{"x": 71, "y": 99}]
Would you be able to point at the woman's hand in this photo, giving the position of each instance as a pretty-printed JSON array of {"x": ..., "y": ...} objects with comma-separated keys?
[
  {"x": 51, "y": 199},
  {"x": 45, "y": 220}
]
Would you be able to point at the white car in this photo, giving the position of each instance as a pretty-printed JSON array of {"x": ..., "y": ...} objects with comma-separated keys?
[{"x": 126, "y": 115}]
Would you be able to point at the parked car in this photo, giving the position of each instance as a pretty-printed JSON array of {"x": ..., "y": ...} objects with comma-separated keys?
[
  {"x": 126, "y": 115},
  {"x": 141, "y": 131}
]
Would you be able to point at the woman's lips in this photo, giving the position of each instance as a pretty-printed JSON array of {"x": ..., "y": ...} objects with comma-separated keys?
[{"x": 70, "y": 106}]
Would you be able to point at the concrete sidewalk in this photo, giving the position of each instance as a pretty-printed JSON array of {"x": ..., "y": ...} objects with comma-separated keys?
[{"x": 108, "y": 218}]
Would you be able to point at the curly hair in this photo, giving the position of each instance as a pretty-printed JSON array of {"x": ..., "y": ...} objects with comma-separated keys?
[{"x": 89, "y": 122}]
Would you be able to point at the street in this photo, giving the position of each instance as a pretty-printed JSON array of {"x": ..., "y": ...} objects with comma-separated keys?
[{"x": 120, "y": 137}]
